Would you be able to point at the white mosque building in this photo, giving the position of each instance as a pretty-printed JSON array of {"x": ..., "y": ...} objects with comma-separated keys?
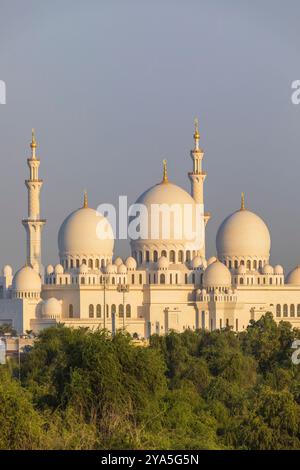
[{"x": 167, "y": 283}]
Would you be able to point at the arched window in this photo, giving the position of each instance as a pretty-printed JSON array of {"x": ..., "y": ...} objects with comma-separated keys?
[
  {"x": 155, "y": 256},
  {"x": 82, "y": 280},
  {"x": 84, "y": 261},
  {"x": 188, "y": 255},
  {"x": 90, "y": 263},
  {"x": 91, "y": 311},
  {"x": 97, "y": 264},
  {"x": 298, "y": 310},
  {"x": 242, "y": 262},
  {"x": 241, "y": 280},
  {"x": 248, "y": 264},
  {"x": 140, "y": 257},
  {"x": 270, "y": 281},
  {"x": 141, "y": 279},
  {"x": 113, "y": 309},
  {"x": 132, "y": 278},
  {"x": 176, "y": 278},
  {"x": 147, "y": 256},
  {"x": 121, "y": 310},
  {"x": 102, "y": 263},
  {"x": 172, "y": 256},
  {"x": 292, "y": 310},
  {"x": 71, "y": 264},
  {"x": 171, "y": 279},
  {"x": 128, "y": 311},
  {"x": 162, "y": 279},
  {"x": 71, "y": 311},
  {"x": 193, "y": 278},
  {"x": 260, "y": 264},
  {"x": 113, "y": 281},
  {"x": 186, "y": 278},
  {"x": 77, "y": 263},
  {"x": 164, "y": 253},
  {"x": 285, "y": 310},
  {"x": 255, "y": 264},
  {"x": 98, "y": 311},
  {"x": 180, "y": 256},
  {"x": 236, "y": 264},
  {"x": 229, "y": 264},
  {"x": 278, "y": 310}
]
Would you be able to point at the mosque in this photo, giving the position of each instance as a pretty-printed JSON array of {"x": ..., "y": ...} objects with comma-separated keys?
[{"x": 166, "y": 284}]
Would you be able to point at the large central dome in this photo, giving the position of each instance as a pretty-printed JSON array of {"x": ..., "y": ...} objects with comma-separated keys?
[
  {"x": 243, "y": 235},
  {"x": 84, "y": 234}
]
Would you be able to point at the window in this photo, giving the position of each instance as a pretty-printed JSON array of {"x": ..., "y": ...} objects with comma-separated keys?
[
  {"x": 71, "y": 264},
  {"x": 91, "y": 263},
  {"x": 162, "y": 279},
  {"x": 255, "y": 264},
  {"x": 70, "y": 311},
  {"x": 186, "y": 278},
  {"x": 236, "y": 264},
  {"x": 270, "y": 281},
  {"x": 164, "y": 253},
  {"x": 121, "y": 310},
  {"x": 285, "y": 310},
  {"x": 77, "y": 263},
  {"x": 171, "y": 279},
  {"x": 176, "y": 278},
  {"x": 193, "y": 278},
  {"x": 180, "y": 256},
  {"x": 82, "y": 280},
  {"x": 172, "y": 256},
  {"x": 132, "y": 278},
  {"x": 241, "y": 280},
  {"x": 128, "y": 311},
  {"x": 98, "y": 311},
  {"x": 147, "y": 256},
  {"x": 113, "y": 309},
  {"x": 220, "y": 323},
  {"x": 188, "y": 256},
  {"x": 97, "y": 264},
  {"x": 248, "y": 264},
  {"x": 84, "y": 261},
  {"x": 141, "y": 279},
  {"x": 140, "y": 257},
  {"x": 91, "y": 311},
  {"x": 229, "y": 264},
  {"x": 292, "y": 310},
  {"x": 155, "y": 256},
  {"x": 236, "y": 324}
]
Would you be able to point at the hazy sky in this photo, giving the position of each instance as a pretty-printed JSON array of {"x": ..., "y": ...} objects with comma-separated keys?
[{"x": 112, "y": 88}]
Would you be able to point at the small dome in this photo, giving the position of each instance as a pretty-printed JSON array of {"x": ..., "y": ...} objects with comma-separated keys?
[
  {"x": 7, "y": 271},
  {"x": 27, "y": 280},
  {"x": 242, "y": 269},
  {"x": 118, "y": 261},
  {"x": 111, "y": 269},
  {"x": 267, "y": 269},
  {"x": 243, "y": 234},
  {"x": 216, "y": 275},
  {"x": 197, "y": 262},
  {"x": 51, "y": 308},
  {"x": 130, "y": 263},
  {"x": 49, "y": 269},
  {"x": 83, "y": 269},
  {"x": 278, "y": 269},
  {"x": 294, "y": 277},
  {"x": 211, "y": 260},
  {"x": 59, "y": 269},
  {"x": 163, "y": 263},
  {"x": 122, "y": 269}
]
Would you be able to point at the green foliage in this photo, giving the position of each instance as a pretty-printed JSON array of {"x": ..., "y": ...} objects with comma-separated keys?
[{"x": 194, "y": 390}]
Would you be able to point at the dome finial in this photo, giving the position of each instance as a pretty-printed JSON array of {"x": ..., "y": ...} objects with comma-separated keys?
[
  {"x": 165, "y": 176},
  {"x": 33, "y": 143},
  {"x": 85, "y": 200},
  {"x": 242, "y": 201}
]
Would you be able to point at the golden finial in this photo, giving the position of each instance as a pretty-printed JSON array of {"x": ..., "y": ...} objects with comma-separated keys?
[
  {"x": 196, "y": 133},
  {"x": 165, "y": 176},
  {"x": 33, "y": 141},
  {"x": 243, "y": 201},
  {"x": 85, "y": 200}
]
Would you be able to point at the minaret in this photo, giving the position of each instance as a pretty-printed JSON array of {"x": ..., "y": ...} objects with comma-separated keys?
[
  {"x": 33, "y": 224},
  {"x": 197, "y": 177}
]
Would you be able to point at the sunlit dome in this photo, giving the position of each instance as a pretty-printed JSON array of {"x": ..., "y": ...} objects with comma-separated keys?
[
  {"x": 216, "y": 275},
  {"x": 294, "y": 277},
  {"x": 243, "y": 234},
  {"x": 51, "y": 308},
  {"x": 85, "y": 232},
  {"x": 27, "y": 280},
  {"x": 130, "y": 263}
]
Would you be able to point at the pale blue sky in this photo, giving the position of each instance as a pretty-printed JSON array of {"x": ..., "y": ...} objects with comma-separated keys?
[{"x": 112, "y": 88}]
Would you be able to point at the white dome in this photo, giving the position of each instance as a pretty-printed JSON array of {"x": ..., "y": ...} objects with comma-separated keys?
[
  {"x": 243, "y": 234},
  {"x": 216, "y": 275},
  {"x": 59, "y": 269},
  {"x": 294, "y": 277},
  {"x": 278, "y": 269},
  {"x": 7, "y": 271},
  {"x": 211, "y": 260},
  {"x": 163, "y": 263},
  {"x": 111, "y": 269},
  {"x": 242, "y": 269},
  {"x": 197, "y": 262},
  {"x": 83, "y": 269},
  {"x": 130, "y": 263},
  {"x": 83, "y": 233},
  {"x": 267, "y": 269},
  {"x": 49, "y": 269},
  {"x": 51, "y": 308},
  {"x": 27, "y": 280},
  {"x": 168, "y": 195},
  {"x": 118, "y": 261},
  {"x": 122, "y": 269}
]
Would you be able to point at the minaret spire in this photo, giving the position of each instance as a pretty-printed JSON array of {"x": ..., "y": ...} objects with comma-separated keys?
[
  {"x": 34, "y": 224},
  {"x": 242, "y": 201},
  {"x": 85, "y": 200},
  {"x": 197, "y": 177}
]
